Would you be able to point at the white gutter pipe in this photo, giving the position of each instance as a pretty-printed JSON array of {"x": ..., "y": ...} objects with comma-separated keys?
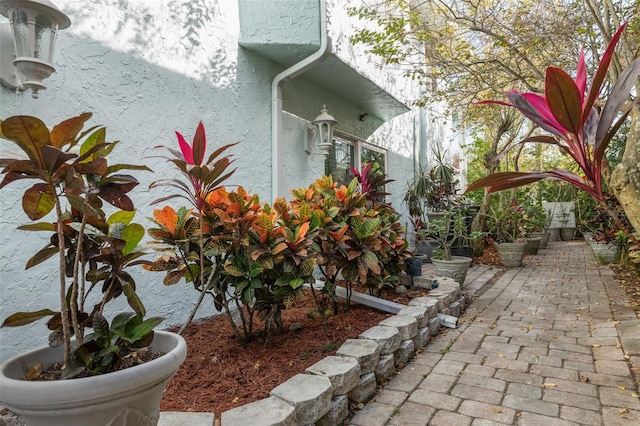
[{"x": 276, "y": 99}]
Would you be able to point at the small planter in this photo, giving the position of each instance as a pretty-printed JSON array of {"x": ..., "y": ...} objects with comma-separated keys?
[
  {"x": 554, "y": 234},
  {"x": 455, "y": 268},
  {"x": 605, "y": 253},
  {"x": 544, "y": 238},
  {"x": 566, "y": 234},
  {"x": 532, "y": 246},
  {"x": 588, "y": 236},
  {"x": 511, "y": 254},
  {"x": 424, "y": 247},
  {"x": 126, "y": 397}
]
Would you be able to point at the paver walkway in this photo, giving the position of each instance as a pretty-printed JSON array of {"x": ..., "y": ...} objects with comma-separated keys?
[{"x": 542, "y": 346}]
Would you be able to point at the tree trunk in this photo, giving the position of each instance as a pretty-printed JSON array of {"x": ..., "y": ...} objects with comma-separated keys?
[{"x": 625, "y": 179}]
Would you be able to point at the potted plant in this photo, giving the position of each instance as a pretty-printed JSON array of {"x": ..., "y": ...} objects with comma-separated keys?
[
  {"x": 566, "y": 232},
  {"x": 508, "y": 226},
  {"x": 538, "y": 224},
  {"x": 94, "y": 252},
  {"x": 447, "y": 232}
]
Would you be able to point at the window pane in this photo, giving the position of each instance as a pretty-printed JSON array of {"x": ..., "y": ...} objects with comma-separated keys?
[
  {"x": 376, "y": 159},
  {"x": 339, "y": 162}
]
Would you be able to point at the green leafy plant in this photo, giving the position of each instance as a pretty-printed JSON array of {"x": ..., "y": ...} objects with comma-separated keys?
[
  {"x": 508, "y": 223},
  {"x": 104, "y": 350},
  {"x": 73, "y": 180},
  {"x": 449, "y": 230}
]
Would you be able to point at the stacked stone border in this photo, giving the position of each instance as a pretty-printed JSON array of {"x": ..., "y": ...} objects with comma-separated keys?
[{"x": 322, "y": 394}]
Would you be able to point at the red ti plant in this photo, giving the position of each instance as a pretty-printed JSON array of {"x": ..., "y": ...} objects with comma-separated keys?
[
  {"x": 578, "y": 128},
  {"x": 178, "y": 228}
]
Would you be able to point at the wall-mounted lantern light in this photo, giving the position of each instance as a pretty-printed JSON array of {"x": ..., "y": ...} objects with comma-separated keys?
[
  {"x": 323, "y": 131},
  {"x": 27, "y": 42}
]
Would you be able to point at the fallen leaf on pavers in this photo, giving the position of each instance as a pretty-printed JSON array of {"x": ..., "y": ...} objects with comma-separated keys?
[
  {"x": 549, "y": 385},
  {"x": 535, "y": 356},
  {"x": 529, "y": 327},
  {"x": 496, "y": 410},
  {"x": 584, "y": 379},
  {"x": 501, "y": 355},
  {"x": 624, "y": 411},
  {"x": 619, "y": 346},
  {"x": 635, "y": 368},
  {"x": 635, "y": 395},
  {"x": 627, "y": 357},
  {"x": 622, "y": 388},
  {"x": 595, "y": 345},
  {"x": 581, "y": 308}
]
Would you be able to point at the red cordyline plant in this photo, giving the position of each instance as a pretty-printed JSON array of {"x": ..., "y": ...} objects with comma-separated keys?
[
  {"x": 204, "y": 178},
  {"x": 578, "y": 128}
]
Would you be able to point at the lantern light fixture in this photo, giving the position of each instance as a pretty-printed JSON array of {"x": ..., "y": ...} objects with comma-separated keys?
[
  {"x": 27, "y": 42},
  {"x": 322, "y": 131}
]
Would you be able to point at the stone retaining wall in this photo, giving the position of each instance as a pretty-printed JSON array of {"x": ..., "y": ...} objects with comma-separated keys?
[{"x": 321, "y": 396}]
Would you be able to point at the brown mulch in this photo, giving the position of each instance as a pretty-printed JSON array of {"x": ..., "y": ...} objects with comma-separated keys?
[{"x": 220, "y": 374}]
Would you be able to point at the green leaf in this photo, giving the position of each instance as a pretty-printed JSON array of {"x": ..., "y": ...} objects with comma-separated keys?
[
  {"x": 121, "y": 320},
  {"x": 94, "y": 139},
  {"x": 133, "y": 299},
  {"x": 22, "y": 318},
  {"x": 38, "y": 200},
  {"x": 121, "y": 216},
  {"x": 296, "y": 283},
  {"x": 100, "y": 326},
  {"x": 144, "y": 328},
  {"x": 132, "y": 235}
]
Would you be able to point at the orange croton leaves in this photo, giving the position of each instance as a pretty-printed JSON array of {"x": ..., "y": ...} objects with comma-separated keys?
[{"x": 167, "y": 218}]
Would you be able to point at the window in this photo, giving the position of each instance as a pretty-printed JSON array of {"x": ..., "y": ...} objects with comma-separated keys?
[{"x": 348, "y": 151}]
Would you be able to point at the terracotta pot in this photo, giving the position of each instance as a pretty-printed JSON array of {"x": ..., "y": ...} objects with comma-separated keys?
[{"x": 125, "y": 397}]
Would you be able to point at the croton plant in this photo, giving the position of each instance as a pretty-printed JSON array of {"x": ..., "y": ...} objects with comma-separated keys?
[
  {"x": 73, "y": 180},
  {"x": 253, "y": 258}
]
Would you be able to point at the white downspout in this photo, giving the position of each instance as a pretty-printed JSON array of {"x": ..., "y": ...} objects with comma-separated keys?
[{"x": 276, "y": 99}]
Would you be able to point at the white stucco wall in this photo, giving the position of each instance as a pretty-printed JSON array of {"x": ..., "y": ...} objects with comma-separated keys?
[{"x": 146, "y": 68}]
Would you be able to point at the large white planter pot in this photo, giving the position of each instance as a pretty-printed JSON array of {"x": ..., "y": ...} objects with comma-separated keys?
[
  {"x": 455, "y": 268},
  {"x": 126, "y": 397},
  {"x": 605, "y": 253}
]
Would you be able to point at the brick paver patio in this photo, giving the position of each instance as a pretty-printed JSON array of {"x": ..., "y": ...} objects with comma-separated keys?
[{"x": 541, "y": 346}]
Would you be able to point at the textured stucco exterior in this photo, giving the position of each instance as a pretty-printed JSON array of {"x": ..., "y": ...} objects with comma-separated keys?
[{"x": 147, "y": 68}]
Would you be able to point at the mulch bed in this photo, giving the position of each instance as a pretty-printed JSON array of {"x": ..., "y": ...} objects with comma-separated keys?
[{"x": 220, "y": 374}]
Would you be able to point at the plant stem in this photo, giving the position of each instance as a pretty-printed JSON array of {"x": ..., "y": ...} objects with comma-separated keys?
[
  {"x": 74, "y": 284},
  {"x": 64, "y": 311}
]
